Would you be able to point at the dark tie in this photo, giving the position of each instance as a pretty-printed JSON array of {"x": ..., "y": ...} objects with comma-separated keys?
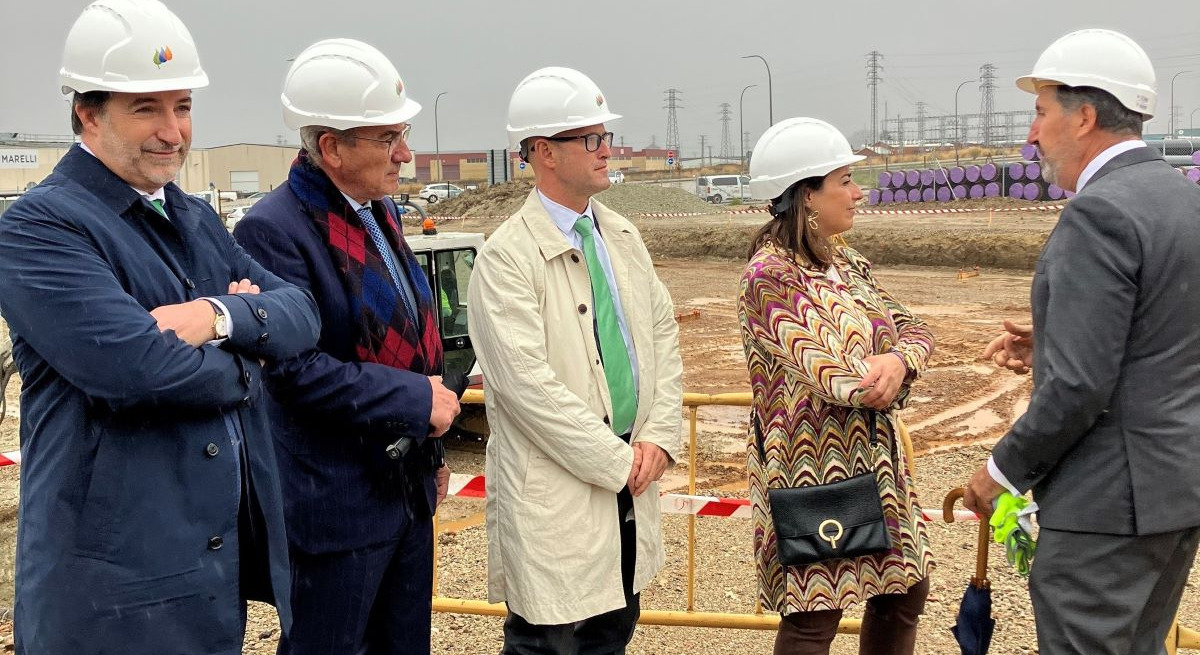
[{"x": 617, "y": 369}]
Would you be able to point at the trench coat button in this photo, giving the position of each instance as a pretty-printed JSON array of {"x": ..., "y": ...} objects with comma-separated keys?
[
  {"x": 246, "y": 376},
  {"x": 245, "y": 401},
  {"x": 262, "y": 313},
  {"x": 575, "y": 258},
  {"x": 606, "y": 422},
  {"x": 215, "y": 543},
  {"x": 211, "y": 450},
  {"x": 583, "y": 309},
  {"x": 262, "y": 338},
  {"x": 187, "y": 282}
]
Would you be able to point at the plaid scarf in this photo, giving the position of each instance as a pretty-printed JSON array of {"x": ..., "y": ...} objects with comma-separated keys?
[{"x": 386, "y": 335}]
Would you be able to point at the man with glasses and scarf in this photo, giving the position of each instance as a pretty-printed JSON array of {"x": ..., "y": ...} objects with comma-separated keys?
[
  {"x": 580, "y": 353},
  {"x": 359, "y": 523}
]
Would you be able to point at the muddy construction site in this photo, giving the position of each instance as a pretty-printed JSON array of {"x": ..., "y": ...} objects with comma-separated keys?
[{"x": 959, "y": 408}]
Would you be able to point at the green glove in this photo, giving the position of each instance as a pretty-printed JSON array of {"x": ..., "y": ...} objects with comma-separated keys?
[{"x": 1019, "y": 546}]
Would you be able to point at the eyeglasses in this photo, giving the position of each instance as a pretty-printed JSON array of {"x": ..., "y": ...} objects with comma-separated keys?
[
  {"x": 591, "y": 142},
  {"x": 394, "y": 142}
]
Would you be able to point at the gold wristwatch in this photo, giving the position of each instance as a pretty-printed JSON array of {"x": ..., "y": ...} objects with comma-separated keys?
[{"x": 220, "y": 323}]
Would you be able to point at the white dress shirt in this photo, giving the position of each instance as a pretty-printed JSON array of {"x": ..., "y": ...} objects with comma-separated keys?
[{"x": 564, "y": 218}]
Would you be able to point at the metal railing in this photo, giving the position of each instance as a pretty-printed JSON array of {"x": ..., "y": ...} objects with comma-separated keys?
[{"x": 1179, "y": 636}]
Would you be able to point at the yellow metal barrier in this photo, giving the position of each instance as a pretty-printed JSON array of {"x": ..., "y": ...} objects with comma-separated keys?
[{"x": 1179, "y": 636}]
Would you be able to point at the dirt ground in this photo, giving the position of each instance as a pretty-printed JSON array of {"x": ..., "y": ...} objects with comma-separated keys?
[
  {"x": 997, "y": 239},
  {"x": 959, "y": 408}
]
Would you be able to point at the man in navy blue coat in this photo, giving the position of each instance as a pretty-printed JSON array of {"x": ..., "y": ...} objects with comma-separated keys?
[
  {"x": 150, "y": 506},
  {"x": 359, "y": 523}
]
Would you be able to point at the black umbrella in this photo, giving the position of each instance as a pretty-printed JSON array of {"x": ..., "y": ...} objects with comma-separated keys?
[{"x": 974, "y": 624}]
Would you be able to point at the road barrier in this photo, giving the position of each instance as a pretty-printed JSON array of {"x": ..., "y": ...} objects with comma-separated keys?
[{"x": 692, "y": 505}]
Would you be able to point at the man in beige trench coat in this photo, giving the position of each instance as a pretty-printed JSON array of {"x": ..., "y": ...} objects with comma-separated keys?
[{"x": 580, "y": 354}]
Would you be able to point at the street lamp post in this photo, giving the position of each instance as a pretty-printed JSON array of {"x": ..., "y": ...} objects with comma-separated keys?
[
  {"x": 1192, "y": 119},
  {"x": 957, "y": 132},
  {"x": 437, "y": 146},
  {"x": 770, "y": 92},
  {"x": 1171, "y": 112},
  {"x": 741, "y": 130}
]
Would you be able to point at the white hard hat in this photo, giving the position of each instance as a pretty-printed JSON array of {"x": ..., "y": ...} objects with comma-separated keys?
[
  {"x": 795, "y": 149},
  {"x": 1103, "y": 59},
  {"x": 130, "y": 46},
  {"x": 552, "y": 100},
  {"x": 344, "y": 83}
]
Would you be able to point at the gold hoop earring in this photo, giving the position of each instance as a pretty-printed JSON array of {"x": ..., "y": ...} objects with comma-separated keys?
[{"x": 812, "y": 220}]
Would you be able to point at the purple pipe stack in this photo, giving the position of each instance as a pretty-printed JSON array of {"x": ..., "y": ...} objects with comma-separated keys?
[
  {"x": 1018, "y": 180},
  {"x": 1193, "y": 173}
]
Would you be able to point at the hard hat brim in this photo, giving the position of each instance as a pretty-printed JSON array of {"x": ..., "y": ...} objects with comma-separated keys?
[
  {"x": 74, "y": 84},
  {"x": 296, "y": 119},
  {"x": 771, "y": 188}
]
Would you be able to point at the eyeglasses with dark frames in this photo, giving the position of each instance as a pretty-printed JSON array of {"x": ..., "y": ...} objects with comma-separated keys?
[
  {"x": 591, "y": 142},
  {"x": 392, "y": 143}
]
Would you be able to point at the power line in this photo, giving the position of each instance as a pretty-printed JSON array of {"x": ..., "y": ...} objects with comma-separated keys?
[
  {"x": 673, "y": 122},
  {"x": 920, "y": 123},
  {"x": 726, "y": 148},
  {"x": 874, "y": 77},
  {"x": 987, "y": 89}
]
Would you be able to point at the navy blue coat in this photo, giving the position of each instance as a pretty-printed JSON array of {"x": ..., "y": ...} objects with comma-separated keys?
[
  {"x": 334, "y": 415},
  {"x": 128, "y": 530}
]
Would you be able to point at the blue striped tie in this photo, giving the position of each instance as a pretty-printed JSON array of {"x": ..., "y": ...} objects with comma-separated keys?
[{"x": 385, "y": 253}]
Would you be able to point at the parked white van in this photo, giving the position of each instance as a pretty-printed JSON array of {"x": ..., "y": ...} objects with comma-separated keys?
[{"x": 719, "y": 188}]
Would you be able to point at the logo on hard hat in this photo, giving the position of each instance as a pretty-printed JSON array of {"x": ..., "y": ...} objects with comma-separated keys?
[
  {"x": 599, "y": 100},
  {"x": 1143, "y": 102},
  {"x": 162, "y": 56},
  {"x": 400, "y": 88}
]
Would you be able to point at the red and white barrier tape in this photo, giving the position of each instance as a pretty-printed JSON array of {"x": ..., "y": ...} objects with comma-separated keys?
[
  {"x": 472, "y": 486},
  {"x": 864, "y": 212}
]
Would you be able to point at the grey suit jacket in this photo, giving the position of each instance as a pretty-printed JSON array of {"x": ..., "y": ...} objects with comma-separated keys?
[{"x": 1111, "y": 440}]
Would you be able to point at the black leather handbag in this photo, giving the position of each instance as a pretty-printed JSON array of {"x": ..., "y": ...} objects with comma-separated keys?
[{"x": 827, "y": 521}]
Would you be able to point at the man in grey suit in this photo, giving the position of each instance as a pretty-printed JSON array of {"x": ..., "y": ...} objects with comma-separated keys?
[{"x": 1110, "y": 443}]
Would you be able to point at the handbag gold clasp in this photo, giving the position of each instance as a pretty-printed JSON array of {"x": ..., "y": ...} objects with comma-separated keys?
[{"x": 831, "y": 538}]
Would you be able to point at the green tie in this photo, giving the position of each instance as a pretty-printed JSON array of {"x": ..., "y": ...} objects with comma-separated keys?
[
  {"x": 157, "y": 203},
  {"x": 612, "y": 345}
]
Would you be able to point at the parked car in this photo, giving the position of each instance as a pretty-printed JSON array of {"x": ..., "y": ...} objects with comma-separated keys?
[
  {"x": 719, "y": 188},
  {"x": 616, "y": 177},
  {"x": 439, "y": 191},
  {"x": 236, "y": 215}
]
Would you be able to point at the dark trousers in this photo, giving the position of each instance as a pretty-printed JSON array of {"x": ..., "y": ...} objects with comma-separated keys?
[
  {"x": 889, "y": 626},
  {"x": 375, "y": 600},
  {"x": 603, "y": 634},
  {"x": 1108, "y": 594}
]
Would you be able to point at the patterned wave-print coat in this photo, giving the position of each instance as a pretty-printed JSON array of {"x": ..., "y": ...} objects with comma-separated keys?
[{"x": 806, "y": 335}]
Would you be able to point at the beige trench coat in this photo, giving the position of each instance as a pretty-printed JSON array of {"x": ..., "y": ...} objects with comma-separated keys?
[{"x": 554, "y": 466}]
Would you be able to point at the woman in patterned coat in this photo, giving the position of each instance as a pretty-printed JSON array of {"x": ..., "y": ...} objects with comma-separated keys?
[{"x": 825, "y": 344}]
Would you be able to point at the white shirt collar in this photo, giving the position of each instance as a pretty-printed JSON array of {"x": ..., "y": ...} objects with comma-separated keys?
[
  {"x": 157, "y": 195},
  {"x": 564, "y": 217},
  {"x": 1103, "y": 158},
  {"x": 354, "y": 204}
]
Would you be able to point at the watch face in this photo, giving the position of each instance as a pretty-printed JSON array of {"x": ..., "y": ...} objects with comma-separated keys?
[{"x": 221, "y": 326}]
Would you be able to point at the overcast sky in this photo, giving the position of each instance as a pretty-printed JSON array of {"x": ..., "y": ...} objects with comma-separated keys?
[{"x": 477, "y": 50}]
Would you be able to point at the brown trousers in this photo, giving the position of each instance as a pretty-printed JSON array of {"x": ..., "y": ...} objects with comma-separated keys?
[{"x": 889, "y": 626}]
